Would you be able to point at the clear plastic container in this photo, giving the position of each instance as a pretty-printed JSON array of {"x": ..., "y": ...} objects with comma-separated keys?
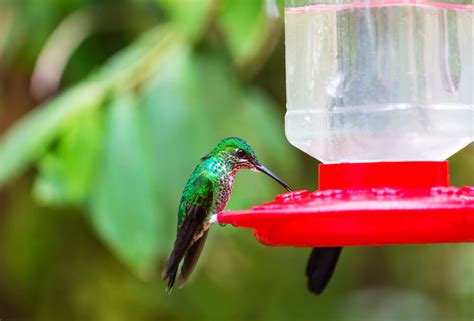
[{"x": 379, "y": 80}]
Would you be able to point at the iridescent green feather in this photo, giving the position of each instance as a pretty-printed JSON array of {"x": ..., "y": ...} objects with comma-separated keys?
[{"x": 217, "y": 167}]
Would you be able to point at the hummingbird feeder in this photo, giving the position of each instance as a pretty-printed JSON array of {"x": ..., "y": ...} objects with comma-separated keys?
[{"x": 381, "y": 92}]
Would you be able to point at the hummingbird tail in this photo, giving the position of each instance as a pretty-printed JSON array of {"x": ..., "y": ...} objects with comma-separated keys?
[
  {"x": 171, "y": 280},
  {"x": 188, "y": 234},
  {"x": 321, "y": 265},
  {"x": 190, "y": 260}
]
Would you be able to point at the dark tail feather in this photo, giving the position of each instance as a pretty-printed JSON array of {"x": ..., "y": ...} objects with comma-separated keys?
[
  {"x": 184, "y": 240},
  {"x": 321, "y": 265},
  {"x": 171, "y": 280},
  {"x": 190, "y": 260}
]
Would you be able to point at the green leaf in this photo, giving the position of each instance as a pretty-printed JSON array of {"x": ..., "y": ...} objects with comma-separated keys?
[
  {"x": 66, "y": 173},
  {"x": 248, "y": 29},
  {"x": 29, "y": 139},
  {"x": 189, "y": 15},
  {"x": 124, "y": 208},
  {"x": 168, "y": 120}
]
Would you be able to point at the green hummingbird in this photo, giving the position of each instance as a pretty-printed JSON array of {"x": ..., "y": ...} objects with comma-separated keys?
[{"x": 206, "y": 193}]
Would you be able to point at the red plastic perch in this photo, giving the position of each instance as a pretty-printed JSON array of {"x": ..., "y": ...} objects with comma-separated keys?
[{"x": 366, "y": 204}]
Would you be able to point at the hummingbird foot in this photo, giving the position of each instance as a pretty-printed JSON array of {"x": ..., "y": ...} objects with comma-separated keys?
[{"x": 213, "y": 219}]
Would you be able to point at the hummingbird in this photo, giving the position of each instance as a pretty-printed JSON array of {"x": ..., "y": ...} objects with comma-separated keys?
[{"x": 206, "y": 193}]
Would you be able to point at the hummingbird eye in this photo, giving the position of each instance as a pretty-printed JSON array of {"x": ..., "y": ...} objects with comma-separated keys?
[{"x": 240, "y": 153}]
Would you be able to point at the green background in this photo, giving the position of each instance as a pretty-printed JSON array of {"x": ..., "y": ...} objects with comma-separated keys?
[{"x": 105, "y": 107}]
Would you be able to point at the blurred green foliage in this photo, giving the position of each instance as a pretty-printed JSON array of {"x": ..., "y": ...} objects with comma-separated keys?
[{"x": 92, "y": 168}]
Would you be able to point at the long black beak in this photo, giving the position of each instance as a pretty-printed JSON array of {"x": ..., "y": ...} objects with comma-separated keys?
[{"x": 263, "y": 169}]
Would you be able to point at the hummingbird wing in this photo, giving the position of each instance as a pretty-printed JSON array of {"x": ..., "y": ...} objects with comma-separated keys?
[
  {"x": 191, "y": 258},
  {"x": 196, "y": 213},
  {"x": 321, "y": 265}
]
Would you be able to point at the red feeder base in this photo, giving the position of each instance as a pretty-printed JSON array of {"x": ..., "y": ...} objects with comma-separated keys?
[{"x": 366, "y": 204}]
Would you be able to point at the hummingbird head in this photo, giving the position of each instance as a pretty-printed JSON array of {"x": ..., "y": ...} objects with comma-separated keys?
[{"x": 240, "y": 155}]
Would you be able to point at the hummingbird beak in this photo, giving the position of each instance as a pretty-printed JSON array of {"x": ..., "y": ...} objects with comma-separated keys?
[{"x": 263, "y": 169}]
